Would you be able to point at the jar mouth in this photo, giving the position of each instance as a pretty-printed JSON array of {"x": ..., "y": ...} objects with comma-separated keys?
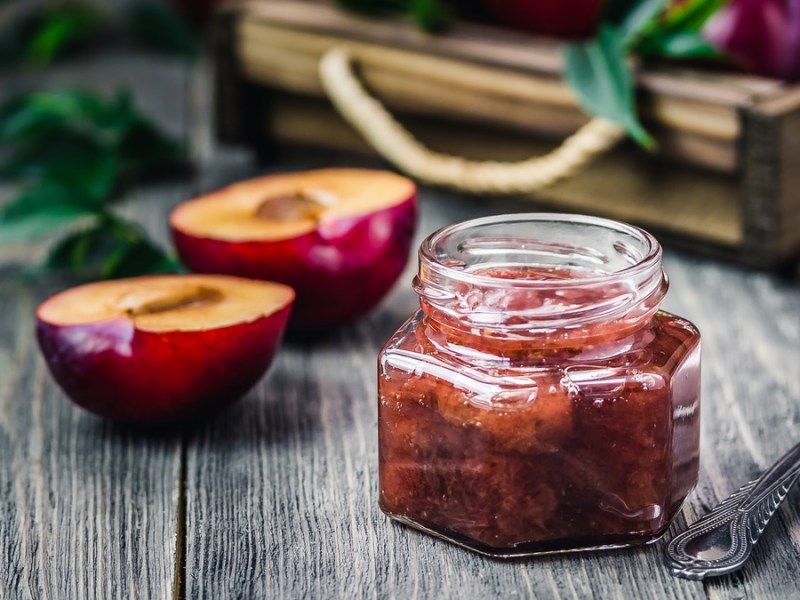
[
  {"x": 540, "y": 271},
  {"x": 455, "y": 255}
]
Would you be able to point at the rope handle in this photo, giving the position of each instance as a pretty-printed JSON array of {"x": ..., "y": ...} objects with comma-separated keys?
[{"x": 397, "y": 145}]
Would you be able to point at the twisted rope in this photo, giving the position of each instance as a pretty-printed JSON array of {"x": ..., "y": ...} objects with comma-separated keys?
[{"x": 397, "y": 145}]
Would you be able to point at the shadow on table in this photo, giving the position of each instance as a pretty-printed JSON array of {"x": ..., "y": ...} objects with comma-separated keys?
[{"x": 280, "y": 410}]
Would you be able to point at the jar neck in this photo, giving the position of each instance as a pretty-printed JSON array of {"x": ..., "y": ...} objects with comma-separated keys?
[{"x": 539, "y": 284}]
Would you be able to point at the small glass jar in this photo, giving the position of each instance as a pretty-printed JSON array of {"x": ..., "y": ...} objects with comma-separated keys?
[{"x": 539, "y": 400}]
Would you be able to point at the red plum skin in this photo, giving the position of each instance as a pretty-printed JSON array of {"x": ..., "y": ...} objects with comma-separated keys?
[
  {"x": 125, "y": 374},
  {"x": 563, "y": 18},
  {"x": 339, "y": 271}
]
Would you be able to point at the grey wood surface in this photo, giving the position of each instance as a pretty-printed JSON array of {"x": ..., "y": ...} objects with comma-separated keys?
[
  {"x": 87, "y": 510},
  {"x": 277, "y": 496}
]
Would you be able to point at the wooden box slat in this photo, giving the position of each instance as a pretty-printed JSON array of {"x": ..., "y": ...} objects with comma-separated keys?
[
  {"x": 299, "y": 119},
  {"x": 726, "y": 177},
  {"x": 436, "y": 86}
]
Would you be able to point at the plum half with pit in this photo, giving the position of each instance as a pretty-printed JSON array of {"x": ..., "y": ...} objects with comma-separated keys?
[
  {"x": 339, "y": 237},
  {"x": 162, "y": 349}
]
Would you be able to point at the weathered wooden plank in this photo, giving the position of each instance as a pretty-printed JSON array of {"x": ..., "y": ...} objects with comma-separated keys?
[
  {"x": 751, "y": 404},
  {"x": 272, "y": 53},
  {"x": 89, "y": 510},
  {"x": 620, "y": 185},
  {"x": 498, "y": 46}
]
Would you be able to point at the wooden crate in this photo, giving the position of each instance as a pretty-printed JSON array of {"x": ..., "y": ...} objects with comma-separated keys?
[{"x": 725, "y": 179}]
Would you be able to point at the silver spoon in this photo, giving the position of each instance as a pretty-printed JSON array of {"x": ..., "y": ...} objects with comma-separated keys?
[{"x": 721, "y": 541}]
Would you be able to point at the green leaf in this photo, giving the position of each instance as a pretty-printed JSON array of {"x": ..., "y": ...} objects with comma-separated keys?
[
  {"x": 638, "y": 18},
  {"x": 28, "y": 114},
  {"x": 430, "y": 15},
  {"x": 680, "y": 45},
  {"x": 140, "y": 258},
  {"x": 70, "y": 160},
  {"x": 80, "y": 138},
  {"x": 40, "y": 36},
  {"x": 614, "y": 11},
  {"x": 600, "y": 77},
  {"x": 690, "y": 15},
  {"x": 45, "y": 114},
  {"x": 156, "y": 26},
  {"x": 146, "y": 148},
  {"x": 61, "y": 28},
  {"x": 39, "y": 210},
  {"x": 73, "y": 147},
  {"x": 676, "y": 34},
  {"x": 111, "y": 248}
]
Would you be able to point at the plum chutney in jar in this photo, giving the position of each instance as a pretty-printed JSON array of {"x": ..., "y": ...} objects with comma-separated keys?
[{"x": 539, "y": 400}]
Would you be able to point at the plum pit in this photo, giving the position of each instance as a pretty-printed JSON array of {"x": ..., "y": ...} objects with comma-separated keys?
[
  {"x": 297, "y": 206},
  {"x": 181, "y": 299}
]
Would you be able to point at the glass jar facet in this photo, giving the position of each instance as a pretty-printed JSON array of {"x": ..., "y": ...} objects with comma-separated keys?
[{"x": 539, "y": 400}]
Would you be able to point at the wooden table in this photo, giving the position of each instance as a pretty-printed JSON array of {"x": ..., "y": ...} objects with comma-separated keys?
[{"x": 276, "y": 498}]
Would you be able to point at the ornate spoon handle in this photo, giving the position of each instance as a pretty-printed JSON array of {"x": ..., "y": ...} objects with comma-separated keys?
[{"x": 721, "y": 541}]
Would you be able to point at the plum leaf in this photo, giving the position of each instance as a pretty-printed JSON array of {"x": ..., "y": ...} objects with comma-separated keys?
[
  {"x": 599, "y": 75},
  {"x": 679, "y": 44},
  {"x": 62, "y": 27},
  {"x": 429, "y": 15},
  {"x": 39, "y": 210},
  {"x": 638, "y": 19},
  {"x": 111, "y": 248},
  {"x": 72, "y": 150},
  {"x": 157, "y": 27}
]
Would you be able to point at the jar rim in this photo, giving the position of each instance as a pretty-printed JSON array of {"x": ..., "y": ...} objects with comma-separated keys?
[{"x": 650, "y": 254}]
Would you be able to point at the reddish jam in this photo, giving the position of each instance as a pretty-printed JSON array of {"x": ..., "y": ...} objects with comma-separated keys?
[{"x": 516, "y": 419}]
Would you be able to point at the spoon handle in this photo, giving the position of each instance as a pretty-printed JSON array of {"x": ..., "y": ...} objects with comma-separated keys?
[{"x": 721, "y": 541}]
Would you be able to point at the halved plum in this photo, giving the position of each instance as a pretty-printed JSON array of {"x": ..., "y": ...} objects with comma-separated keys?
[
  {"x": 162, "y": 348},
  {"x": 339, "y": 237}
]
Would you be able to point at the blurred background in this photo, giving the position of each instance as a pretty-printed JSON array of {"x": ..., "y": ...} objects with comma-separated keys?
[{"x": 101, "y": 98}]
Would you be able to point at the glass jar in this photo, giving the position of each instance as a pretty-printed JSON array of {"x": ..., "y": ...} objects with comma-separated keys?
[{"x": 539, "y": 400}]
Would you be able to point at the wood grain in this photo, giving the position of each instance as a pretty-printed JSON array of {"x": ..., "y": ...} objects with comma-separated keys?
[
  {"x": 287, "y": 59},
  {"x": 87, "y": 510},
  {"x": 280, "y": 491},
  {"x": 751, "y": 404},
  {"x": 497, "y": 47},
  {"x": 700, "y": 207}
]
